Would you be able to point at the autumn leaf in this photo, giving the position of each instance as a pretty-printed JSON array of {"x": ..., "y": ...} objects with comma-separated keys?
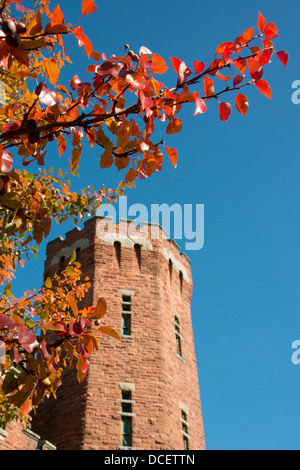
[
  {"x": 248, "y": 34},
  {"x": 261, "y": 22},
  {"x": 224, "y": 111},
  {"x": 21, "y": 56},
  {"x": 199, "y": 66},
  {"x": 57, "y": 16},
  {"x": 200, "y": 104},
  {"x": 6, "y": 161},
  {"x": 283, "y": 57},
  {"x": 241, "y": 103},
  {"x": 100, "y": 309},
  {"x": 109, "y": 331},
  {"x": 52, "y": 70},
  {"x": 255, "y": 69},
  {"x": 174, "y": 127},
  {"x": 270, "y": 31},
  {"x": 176, "y": 64},
  {"x": 61, "y": 144},
  {"x": 209, "y": 88},
  {"x": 172, "y": 153},
  {"x": 88, "y": 6},
  {"x": 264, "y": 88}
]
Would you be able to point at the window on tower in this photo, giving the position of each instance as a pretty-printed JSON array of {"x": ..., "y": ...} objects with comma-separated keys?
[
  {"x": 126, "y": 418},
  {"x": 126, "y": 315},
  {"x": 178, "y": 336},
  {"x": 184, "y": 430}
]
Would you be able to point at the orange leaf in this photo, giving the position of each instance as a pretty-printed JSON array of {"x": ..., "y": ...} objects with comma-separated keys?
[
  {"x": 264, "y": 88},
  {"x": 209, "y": 88},
  {"x": 130, "y": 175},
  {"x": 57, "y": 16},
  {"x": 52, "y": 70},
  {"x": 88, "y": 6},
  {"x": 61, "y": 144},
  {"x": 100, "y": 309},
  {"x": 248, "y": 34},
  {"x": 172, "y": 153},
  {"x": 35, "y": 25},
  {"x": 241, "y": 103},
  {"x": 26, "y": 408},
  {"x": 261, "y": 22},
  {"x": 174, "y": 127},
  {"x": 159, "y": 64},
  {"x": 106, "y": 158},
  {"x": 109, "y": 331},
  {"x": 87, "y": 45}
]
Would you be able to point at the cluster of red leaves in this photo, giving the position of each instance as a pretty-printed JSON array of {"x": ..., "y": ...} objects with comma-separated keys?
[{"x": 116, "y": 110}]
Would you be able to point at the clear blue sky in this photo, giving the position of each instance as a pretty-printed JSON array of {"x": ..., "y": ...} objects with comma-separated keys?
[{"x": 245, "y": 306}]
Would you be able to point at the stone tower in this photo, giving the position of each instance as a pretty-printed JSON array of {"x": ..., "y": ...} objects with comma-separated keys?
[{"x": 141, "y": 393}]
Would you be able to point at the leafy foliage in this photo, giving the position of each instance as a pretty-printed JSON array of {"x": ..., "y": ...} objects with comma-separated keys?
[{"x": 116, "y": 111}]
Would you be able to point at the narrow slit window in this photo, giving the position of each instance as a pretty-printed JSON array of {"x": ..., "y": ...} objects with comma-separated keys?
[
  {"x": 178, "y": 336},
  {"x": 184, "y": 430},
  {"x": 126, "y": 315},
  {"x": 138, "y": 253},
  {"x": 126, "y": 419},
  {"x": 170, "y": 269},
  {"x": 117, "y": 246},
  {"x": 181, "y": 281},
  {"x": 62, "y": 262}
]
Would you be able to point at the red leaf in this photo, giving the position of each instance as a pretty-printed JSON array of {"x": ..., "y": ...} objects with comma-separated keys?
[
  {"x": 6, "y": 323},
  {"x": 25, "y": 337},
  {"x": 88, "y": 6},
  {"x": 283, "y": 57},
  {"x": 198, "y": 66},
  {"x": 176, "y": 64},
  {"x": 237, "y": 79},
  {"x": 6, "y": 161},
  {"x": 172, "y": 153},
  {"x": 184, "y": 72},
  {"x": 241, "y": 103},
  {"x": 200, "y": 105},
  {"x": 224, "y": 111},
  {"x": 261, "y": 22},
  {"x": 255, "y": 69},
  {"x": 266, "y": 56},
  {"x": 270, "y": 31},
  {"x": 264, "y": 88}
]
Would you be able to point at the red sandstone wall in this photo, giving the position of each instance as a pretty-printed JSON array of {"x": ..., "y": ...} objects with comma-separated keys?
[{"x": 87, "y": 416}]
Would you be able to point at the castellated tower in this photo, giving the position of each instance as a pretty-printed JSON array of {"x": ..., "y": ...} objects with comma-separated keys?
[{"x": 141, "y": 393}]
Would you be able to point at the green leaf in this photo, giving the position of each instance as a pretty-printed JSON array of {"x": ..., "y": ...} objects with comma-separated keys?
[{"x": 73, "y": 258}]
